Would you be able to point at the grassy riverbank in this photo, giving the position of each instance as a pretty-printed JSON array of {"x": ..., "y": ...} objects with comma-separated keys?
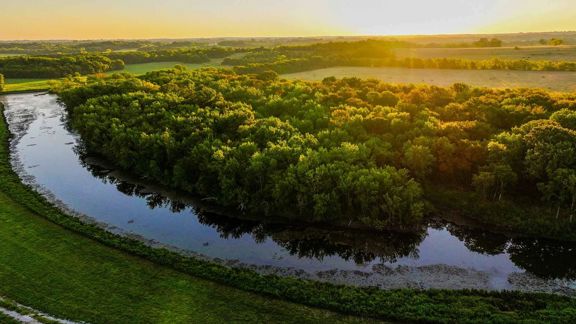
[{"x": 60, "y": 270}]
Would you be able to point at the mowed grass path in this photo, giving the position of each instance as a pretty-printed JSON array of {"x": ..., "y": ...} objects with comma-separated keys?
[
  {"x": 47, "y": 267},
  {"x": 555, "y": 81}
]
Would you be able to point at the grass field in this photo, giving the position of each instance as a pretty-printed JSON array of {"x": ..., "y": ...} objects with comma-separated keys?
[
  {"x": 546, "y": 53},
  {"x": 18, "y": 85},
  {"x": 51, "y": 269},
  {"x": 46, "y": 267},
  {"x": 556, "y": 81}
]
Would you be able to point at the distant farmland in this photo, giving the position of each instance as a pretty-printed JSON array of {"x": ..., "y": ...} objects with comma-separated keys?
[
  {"x": 557, "y": 81},
  {"x": 532, "y": 53}
]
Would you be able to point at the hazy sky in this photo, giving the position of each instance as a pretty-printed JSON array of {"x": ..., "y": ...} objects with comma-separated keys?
[{"x": 87, "y": 19}]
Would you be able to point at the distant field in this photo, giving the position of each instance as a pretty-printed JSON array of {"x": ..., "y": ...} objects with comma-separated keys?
[
  {"x": 551, "y": 53},
  {"x": 557, "y": 81}
]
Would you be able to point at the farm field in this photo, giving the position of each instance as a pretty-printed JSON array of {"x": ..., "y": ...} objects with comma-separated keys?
[
  {"x": 536, "y": 53},
  {"x": 556, "y": 81}
]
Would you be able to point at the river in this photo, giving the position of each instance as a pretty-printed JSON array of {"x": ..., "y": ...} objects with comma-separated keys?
[{"x": 49, "y": 157}]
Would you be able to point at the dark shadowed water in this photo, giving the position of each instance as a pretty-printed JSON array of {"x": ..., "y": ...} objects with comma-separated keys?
[{"x": 46, "y": 155}]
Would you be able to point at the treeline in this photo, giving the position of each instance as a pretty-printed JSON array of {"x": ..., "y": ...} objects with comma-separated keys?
[
  {"x": 56, "y": 66},
  {"x": 328, "y": 51},
  {"x": 552, "y": 41},
  {"x": 482, "y": 42},
  {"x": 346, "y": 151},
  {"x": 77, "y": 47},
  {"x": 174, "y": 55},
  {"x": 372, "y": 53},
  {"x": 284, "y": 65}
]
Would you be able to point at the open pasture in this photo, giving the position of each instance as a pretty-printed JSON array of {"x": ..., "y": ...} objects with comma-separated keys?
[{"x": 556, "y": 81}]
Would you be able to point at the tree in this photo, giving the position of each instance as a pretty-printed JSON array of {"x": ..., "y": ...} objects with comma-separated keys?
[
  {"x": 561, "y": 190},
  {"x": 1, "y": 82},
  {"x": 566, "y": 118},
  {"x": 419, "y": 160},
  {"x": 485, "y": 42}
]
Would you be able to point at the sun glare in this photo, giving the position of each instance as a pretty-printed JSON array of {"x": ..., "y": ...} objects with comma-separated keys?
[{"x": 413, "y": 17}]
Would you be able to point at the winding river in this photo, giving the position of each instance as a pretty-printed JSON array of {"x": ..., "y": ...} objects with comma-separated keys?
[{"x": 48, "y": 156}]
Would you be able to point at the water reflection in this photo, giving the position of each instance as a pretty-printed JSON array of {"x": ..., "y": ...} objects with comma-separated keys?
[
  {"x": 303, "y": 241},
  {"x": 544, "y": 258},
  {"x": 541, "y": 257}
]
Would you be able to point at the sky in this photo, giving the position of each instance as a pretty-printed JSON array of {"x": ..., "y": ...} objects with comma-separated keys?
[{"x": 107, "y": 19}]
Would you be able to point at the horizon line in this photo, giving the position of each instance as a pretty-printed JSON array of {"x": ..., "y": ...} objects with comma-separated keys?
[{"x": 285, "y": 36}]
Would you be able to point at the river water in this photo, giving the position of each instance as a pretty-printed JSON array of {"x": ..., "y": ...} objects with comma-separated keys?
[{"x": 48, "y": 156}]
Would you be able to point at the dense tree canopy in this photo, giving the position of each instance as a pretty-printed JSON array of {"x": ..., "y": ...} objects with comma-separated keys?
[{"x": 346, "y": 151}]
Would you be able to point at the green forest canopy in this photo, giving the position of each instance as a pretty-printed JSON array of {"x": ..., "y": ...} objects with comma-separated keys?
[{"x": 346, "y": 151}]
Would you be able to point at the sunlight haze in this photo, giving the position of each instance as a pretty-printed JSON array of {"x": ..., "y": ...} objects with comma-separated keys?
[{"x": 81, "y": 19}]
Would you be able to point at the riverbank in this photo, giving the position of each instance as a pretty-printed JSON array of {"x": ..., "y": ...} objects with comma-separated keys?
[{"x": 105, "y": 290}]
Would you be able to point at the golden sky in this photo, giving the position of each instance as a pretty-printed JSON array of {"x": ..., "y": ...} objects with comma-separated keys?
[{"x": 98, "y": 19}]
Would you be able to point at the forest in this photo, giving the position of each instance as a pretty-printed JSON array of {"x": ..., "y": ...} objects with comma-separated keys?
[
  {"x": 56, "y": 66},
  {"x": 346, "y": 151}
]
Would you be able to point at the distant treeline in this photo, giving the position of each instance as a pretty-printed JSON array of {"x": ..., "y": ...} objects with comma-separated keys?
[
  {"x": 55, "y": 67},
  {"x": 173, "y": 55},
  {"x": 372, "y": 53},
  {"x": 482, "y": 42},
  {"x": 77, "y": 47},
  {"x": 285, "y": 65}
]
